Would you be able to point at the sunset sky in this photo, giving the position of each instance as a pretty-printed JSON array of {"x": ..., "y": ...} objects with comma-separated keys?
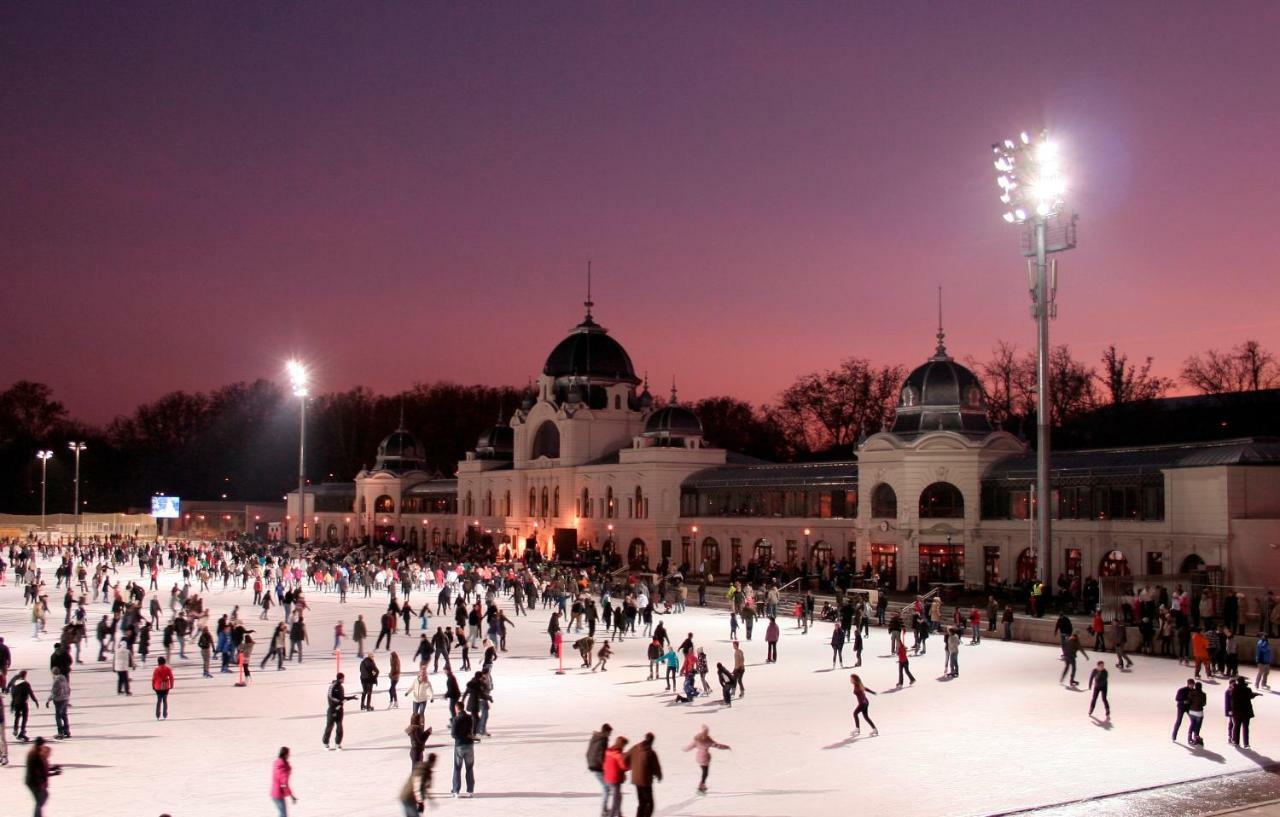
[{"x": 403, "y": 192}]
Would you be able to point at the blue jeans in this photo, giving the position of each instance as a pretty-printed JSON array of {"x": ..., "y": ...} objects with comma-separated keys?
[
  {"x": 280, "y": 807},
  {"x": 954, "y": 661},
  {"x": 604, "y": 788},
  {"x": 464, "y": 754}
]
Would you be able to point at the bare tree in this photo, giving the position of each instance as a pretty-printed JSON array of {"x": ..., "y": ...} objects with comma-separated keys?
[
  {"x": 1247, "y": 367},
  {"x": 1071, "y": 390},
  {"x": 1124, "y": 382},
  {"x": 822, "y": 410},
  {"x": 1009, "y": 382}
]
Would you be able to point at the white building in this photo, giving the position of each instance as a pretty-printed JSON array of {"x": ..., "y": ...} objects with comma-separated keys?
[{"x": 590, "y": 460}]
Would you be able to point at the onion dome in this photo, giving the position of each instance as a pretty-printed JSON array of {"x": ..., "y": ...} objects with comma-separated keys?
[
  {"x": 588, "y": 353},
  {"x": 399, "y": 451},
  {"x": 496, "y": 443},
  {"x": 941, "y": 395},
  {"x": 673, "y": 421}
]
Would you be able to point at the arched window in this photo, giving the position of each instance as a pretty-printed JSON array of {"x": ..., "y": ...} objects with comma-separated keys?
[
  {"x": 533, "y": 502},
  {"x": 941, "y": 500},
  {"x": 469, "y": 506},
  {"x": 763, "y": 551},
  {"x": 1026, "y": 566},
  {"x": 506, "y": 504},
  {"x": 639, "y": 503},
  {"x": 332, "y": 534},
  {"x": 608, "y": 507},
  {"x": 544, "y": 500},
  {"x": 638, "y": 555},
  {"x": 546, "y": 442},
  {"x": 555, "y": 501},
  {"x": 384, "y": 504},
  {"x": 711, "y": 554},
  {"x": 488, "y": 503},
  {"x": 1114, "y": 564},
  {"x": 586, "y": 503},
  {"x": 884, "y": 502}
]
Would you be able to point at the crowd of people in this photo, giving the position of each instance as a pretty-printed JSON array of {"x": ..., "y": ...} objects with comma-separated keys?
[{"x": 591, "y": 610}]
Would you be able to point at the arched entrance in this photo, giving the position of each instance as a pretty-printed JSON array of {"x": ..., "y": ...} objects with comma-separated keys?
[
  {"x": 763, "y": 551},
  {"x": 332, "y": 534},
  {"x": 1114, "y": 564},
  {"x": 820, "y": 554},
  {"x": 884, "y": 563},
  {"x": 1192, "y": 564},
  {"x": 1026, "y": 571},
  {"x": 884, "y": 502},
  {"x": 711, "y": 554},
  {"x": 638, "y": 555}
]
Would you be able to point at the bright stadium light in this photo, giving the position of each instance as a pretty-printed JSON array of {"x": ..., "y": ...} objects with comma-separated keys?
[
  {"x": 298, "y": 380},
  {"x": 1033, "y": 190}
]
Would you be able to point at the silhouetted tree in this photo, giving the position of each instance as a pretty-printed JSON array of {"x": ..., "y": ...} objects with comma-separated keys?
[{"x": 1247, "y": 367}]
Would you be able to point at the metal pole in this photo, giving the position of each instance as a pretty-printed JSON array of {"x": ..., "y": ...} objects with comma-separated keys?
[
  {"x": 76, "y": 538},
  {"x": 44, "y": 474},
  {"x": 1043, "y": 492},
  {"x": 302, "y": 447}
]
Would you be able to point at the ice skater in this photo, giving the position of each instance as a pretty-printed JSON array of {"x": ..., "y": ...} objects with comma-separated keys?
[
  {"x": 860, "y": 692},
  {"x": 1098, "y": 683},
  {"x": 702, "y": 744}
]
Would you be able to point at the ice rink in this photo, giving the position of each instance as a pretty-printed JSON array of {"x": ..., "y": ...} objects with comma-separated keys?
[{"x": 1003, "y": 736}]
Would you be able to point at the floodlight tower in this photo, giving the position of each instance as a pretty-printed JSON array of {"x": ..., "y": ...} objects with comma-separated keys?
[
  {"x": 77, "y": 448},
  {"x": 1033, "y": 187},
  {"x": 298, "y": 380},
  {"x": 43, "y": 455}
]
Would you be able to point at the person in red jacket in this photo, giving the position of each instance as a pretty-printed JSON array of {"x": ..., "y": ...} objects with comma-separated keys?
[
  {"x": 615, "y": 774},
  {"x": 162, "y": 682}
]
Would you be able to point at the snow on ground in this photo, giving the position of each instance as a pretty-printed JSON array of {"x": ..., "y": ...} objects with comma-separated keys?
[{"x": 1004, "y": 736}]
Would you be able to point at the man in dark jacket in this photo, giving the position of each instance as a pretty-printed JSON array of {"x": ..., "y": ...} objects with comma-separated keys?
[
  {"x": 1182, "y": 698},
  {"x": 334, "y": 710},
  {"x": 464, "y": 752},
  {"x": 645, "y": 768},
  {"x": 38, "y": 773},
  {"x": 368, "y": 679},
  {"x": 595, "y": 761}
]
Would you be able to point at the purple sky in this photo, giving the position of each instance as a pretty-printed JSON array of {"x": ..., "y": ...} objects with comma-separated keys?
[{"x": 402, "y": 192}]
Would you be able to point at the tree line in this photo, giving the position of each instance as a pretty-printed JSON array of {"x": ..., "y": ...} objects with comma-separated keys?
[{"x": 241, "y": 440}]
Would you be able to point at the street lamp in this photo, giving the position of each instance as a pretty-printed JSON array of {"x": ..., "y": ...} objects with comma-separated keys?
[
  {"x": 1032, "y": 187},
  {"x": 298, "y": 380},
  {"x": 43, "y": 456},
  {"x": 77, "y": 447}
]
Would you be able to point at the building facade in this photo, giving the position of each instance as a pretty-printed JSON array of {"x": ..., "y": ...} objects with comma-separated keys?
[{"x": 590, "y": 459}]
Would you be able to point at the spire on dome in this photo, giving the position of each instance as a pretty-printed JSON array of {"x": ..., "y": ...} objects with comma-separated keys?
[
  {"x": 401, "y": 426},
  {"x": 673, "y": 400},
  {"x": 940, "y": 352},
  {"x": 588, "y": 303}
]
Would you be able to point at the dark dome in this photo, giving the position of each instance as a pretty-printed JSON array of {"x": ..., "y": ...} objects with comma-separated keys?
[
  {"x": 496, "y": 442},
  {"x": 673, "y": 421},
  {"x": 941, "y": 395},
  {"x": 399, "y": 451},
  {"x": 589, "y": 352}
]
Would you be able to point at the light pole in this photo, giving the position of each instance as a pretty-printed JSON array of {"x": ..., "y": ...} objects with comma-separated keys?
[
  {"x": 44, "y": 456},
  {"x": 298, "y": 379},
  {"x": 1032, "y": 187},
  {"x": 77, "y": 447}
]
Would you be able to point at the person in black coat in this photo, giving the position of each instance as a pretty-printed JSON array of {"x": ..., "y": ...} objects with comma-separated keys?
[
  {"x": 38, "y": 773},
  {"x": 452, "y": 693},
  {"x": 368, "y": 679},
  {"x": 1241, "y": 711},
  {"x": 423, "y": 654},
  {"x": 334, "y": 710}
]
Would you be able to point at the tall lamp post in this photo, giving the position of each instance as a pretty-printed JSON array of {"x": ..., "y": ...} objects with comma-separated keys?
[
  {"x": 298, "y": 380},
  {"x": 44, "y": 456},
  {"x": 77, "y": 447},
  {"x": 1032, "y": 188}
]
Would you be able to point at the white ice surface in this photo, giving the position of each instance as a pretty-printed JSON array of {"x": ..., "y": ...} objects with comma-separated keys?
[{"x": 1003, "y": 736}]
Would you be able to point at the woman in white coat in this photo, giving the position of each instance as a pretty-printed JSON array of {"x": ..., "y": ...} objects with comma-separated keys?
[
  {"x": 122, "y": 662},
  {"x": 420, "y": 691}
]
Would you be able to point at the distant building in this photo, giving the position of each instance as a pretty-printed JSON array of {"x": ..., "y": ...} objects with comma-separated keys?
[{"x": 590, "y": 459}]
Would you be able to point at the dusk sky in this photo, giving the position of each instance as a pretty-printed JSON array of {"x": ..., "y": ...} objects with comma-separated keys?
[{"x": 404, "y": 192}]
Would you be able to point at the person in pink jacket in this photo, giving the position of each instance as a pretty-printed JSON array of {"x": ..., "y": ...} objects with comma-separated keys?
[
  {"x": 702, "y": 744},
  {"x": 280, "y": 772}
]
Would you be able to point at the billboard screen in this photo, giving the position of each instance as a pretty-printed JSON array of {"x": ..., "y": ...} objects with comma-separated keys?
[{"x": 165, "y": 507}]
